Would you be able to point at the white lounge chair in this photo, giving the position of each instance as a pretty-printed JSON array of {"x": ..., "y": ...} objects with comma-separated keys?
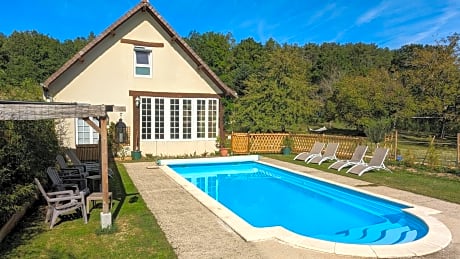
[
  {"x": 329, "y": 154},
  {"x": 376, "y": 163},
  {"x": 315, "y": 151},
  {"x": 356, "y": 158}
]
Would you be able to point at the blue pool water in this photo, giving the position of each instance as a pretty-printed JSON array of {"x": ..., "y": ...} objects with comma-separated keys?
[{"x": 266, "y": 196}]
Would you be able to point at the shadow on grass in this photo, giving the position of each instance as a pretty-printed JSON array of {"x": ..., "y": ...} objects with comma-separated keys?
[
  {"x": 29, "y": 227},
  {"x": 119, "y": 192}
]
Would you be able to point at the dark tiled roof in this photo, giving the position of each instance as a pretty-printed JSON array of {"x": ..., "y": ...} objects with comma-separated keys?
[{"x": 144, "y": 6}]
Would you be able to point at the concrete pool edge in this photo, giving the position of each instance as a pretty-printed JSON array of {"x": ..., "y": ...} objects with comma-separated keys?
[{"x": 436, "y": 239}]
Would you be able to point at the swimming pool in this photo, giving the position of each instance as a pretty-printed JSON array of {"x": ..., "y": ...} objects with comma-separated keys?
[{"x": 269, "y": 197}]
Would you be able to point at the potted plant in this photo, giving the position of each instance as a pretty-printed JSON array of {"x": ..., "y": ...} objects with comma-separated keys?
[
  {"x": 223, "y": 144},
  {"x": 287, "y": 145}
]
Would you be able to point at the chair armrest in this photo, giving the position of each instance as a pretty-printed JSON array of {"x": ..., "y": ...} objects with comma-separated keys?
[
  {"x": 66, "y": 198},
  {"x": 69, "y": 171},
  {"x": 72, "y": 172},
  {"x": 80, "y": 168},
  {"x": 68, "y": 192}
]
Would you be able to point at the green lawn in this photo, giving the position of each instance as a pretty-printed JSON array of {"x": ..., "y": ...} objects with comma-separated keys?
[
  {"x": 421, "y": 180},
  {"x": 135, "y": 234}
]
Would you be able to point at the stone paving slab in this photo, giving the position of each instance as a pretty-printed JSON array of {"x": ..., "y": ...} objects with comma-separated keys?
[{"x": 195, "y": 232}]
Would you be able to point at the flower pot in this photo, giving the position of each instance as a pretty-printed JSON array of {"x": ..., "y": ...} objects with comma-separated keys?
[
  {"x": 223, "y": 151},
  {"x": 286, "y": 150},
  {"x": 136, "y": 155}
]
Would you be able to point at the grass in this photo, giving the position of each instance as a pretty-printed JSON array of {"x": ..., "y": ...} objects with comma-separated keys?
[
  {"x": 135, "y": 232},
  {"x": 421, "y": 181}
]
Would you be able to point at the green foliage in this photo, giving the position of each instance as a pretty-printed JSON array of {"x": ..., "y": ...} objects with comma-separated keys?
[
  {"x": 375, "y": 96},
  {"x": 432, "y": 75},
  {"x": 215, "y": 50},
  {"x": 409, "y": 158},
  {"x": 432, "y": 157},
  {"x": 278, "y": 98},
  {"x": 26, "y": 149},
  {"x": 348, "y": 83},
  {"x": 375, "y": 130}
]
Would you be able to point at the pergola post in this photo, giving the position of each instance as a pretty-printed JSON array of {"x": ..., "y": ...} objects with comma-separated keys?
[
  {"x": 106, "y": 216},
  {"x": 458, "y": 149}
]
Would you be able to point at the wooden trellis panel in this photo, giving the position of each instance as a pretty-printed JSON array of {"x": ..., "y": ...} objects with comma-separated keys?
[
  {"x": 240, "y": 143},
  {"x": 304, "y": 142},
  {"x": 245, "y": 143},
  {"x": 266, "y": 143}
]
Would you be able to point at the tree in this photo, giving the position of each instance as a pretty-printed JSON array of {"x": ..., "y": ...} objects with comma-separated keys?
[
  {"x": 279, "y": 97},
  {"x": 378, "y": 95},
  {"x": 433, "y": 77},
  {"x": 215, "y": 50},
  {"x": 248, "y": 56}
]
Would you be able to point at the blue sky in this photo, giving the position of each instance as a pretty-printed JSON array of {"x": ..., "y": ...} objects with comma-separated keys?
[{"x": 387, "y": 23}]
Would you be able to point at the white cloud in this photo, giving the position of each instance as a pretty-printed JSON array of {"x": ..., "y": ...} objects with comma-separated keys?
[{"x": 373, "y": 13}]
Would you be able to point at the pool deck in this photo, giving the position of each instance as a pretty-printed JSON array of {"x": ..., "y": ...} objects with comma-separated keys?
[{"x": 195, "y": 232}]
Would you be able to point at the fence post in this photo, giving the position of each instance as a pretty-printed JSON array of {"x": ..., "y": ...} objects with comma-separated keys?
[
  {"x": 458, "y": 149},
  {"x": 249, "y": 143},
  {"x": 396, "y": 144}
]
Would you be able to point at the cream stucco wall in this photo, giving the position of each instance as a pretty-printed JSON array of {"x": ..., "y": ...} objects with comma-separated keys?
[{"x": 106, "y": 75}]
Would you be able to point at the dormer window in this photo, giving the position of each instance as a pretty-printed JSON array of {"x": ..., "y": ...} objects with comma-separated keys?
[{"x": 142, "y": 62}]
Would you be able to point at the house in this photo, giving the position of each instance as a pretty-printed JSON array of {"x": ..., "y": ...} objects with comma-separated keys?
[{"x": 172, "y": 99}]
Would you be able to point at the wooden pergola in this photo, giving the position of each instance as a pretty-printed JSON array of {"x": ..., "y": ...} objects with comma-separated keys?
[{"x": 18, "y": 110}]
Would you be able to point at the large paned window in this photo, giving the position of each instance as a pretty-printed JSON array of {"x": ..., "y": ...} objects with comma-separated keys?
[
  {"x": 85, "y": 133},
  {"x": 178, "y": 118},
  {"x": 174, "y": 118},
  {"x": 159, "y": 118},
  {"x": 212, "y": 118},
  {"x": 200, "y": 118},
  {"x": 186, "y": 119},
  {"x": 142, "y": 62},
  {"x": 146, "y": 118}
]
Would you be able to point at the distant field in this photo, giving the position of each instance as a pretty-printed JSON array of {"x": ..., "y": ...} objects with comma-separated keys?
[{"x": 443, "y": 152}]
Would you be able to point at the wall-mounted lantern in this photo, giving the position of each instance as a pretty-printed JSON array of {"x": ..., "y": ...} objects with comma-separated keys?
[
  {"x": 121, "y": 135},
  {"x": 138, "y": 101}
]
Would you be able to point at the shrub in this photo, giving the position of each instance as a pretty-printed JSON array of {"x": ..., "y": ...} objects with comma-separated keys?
[
  {"x": 375, "y": 130},
  {"x": 26, "y": 149}
]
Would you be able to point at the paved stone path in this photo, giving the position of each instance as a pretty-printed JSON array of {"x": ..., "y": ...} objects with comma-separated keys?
[{"x": 195, "y": 232}]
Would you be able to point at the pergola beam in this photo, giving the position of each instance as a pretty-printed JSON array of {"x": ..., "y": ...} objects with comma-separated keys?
[{"x": 15, "y": 110}]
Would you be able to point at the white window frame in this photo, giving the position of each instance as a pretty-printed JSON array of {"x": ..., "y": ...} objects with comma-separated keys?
[
  {"x": 93, "y": 134},
  {"x": 167, "y": 119},
  {"x": 136, "y": 65}
]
